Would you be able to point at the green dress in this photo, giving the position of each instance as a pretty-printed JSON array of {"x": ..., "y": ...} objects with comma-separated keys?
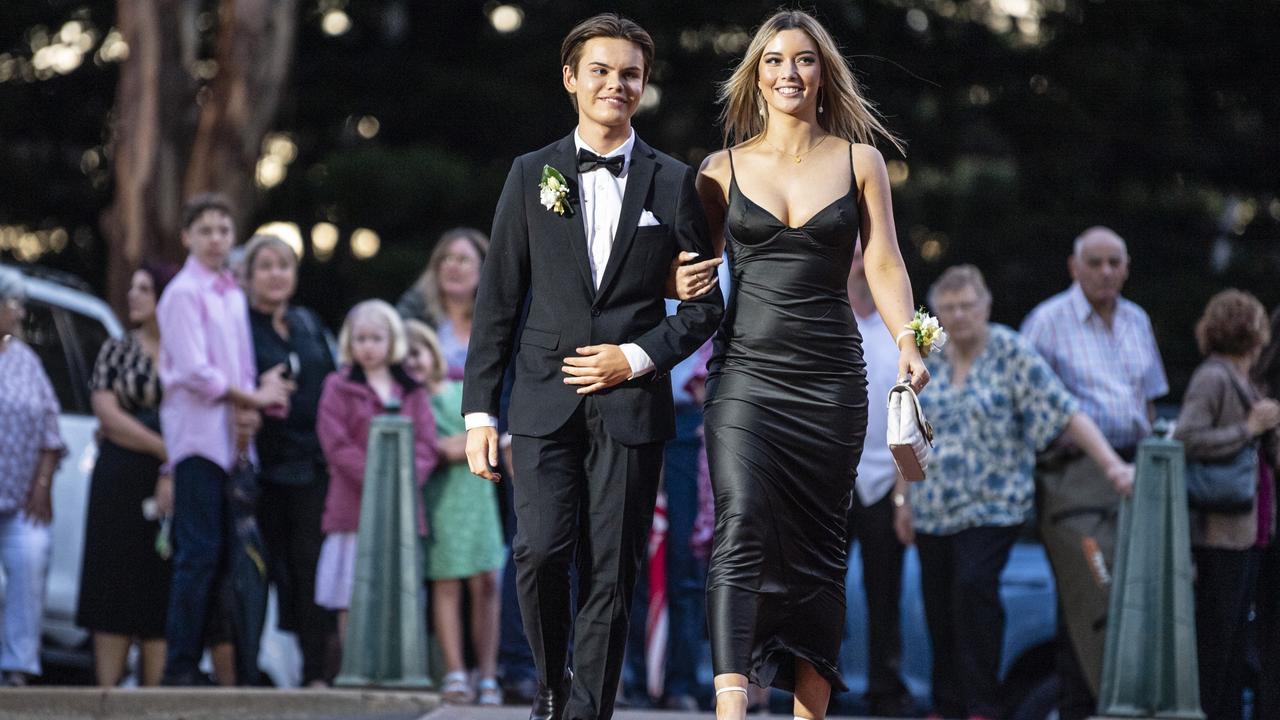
[{"x": 464, "y": 532}]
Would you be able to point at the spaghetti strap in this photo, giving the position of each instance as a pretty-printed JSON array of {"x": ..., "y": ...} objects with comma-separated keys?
[{"x": 853, "y": 176}]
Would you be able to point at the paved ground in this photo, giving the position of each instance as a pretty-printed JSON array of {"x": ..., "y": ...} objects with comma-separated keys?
[
  {"x": 84, "y": 703},
  {"x": 522, "y": 713}
]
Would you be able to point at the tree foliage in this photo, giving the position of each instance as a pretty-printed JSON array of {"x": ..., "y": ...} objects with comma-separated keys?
[{"x": 1027, "y": 121}]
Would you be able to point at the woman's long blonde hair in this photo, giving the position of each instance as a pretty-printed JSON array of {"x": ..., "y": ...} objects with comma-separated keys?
[{"x": 846, "y": 112}]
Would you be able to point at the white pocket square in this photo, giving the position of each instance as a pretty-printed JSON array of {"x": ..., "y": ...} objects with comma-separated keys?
[{"x": 647, "y": 219}]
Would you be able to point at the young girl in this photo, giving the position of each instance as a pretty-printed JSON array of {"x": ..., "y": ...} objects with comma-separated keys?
[
  {"x": 465, "y": 544},
  {"x": 371, "y": 346}
]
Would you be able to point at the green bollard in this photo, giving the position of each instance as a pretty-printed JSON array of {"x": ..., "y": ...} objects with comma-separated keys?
[
  {"x": 1149, "y": 665},
  {"x": 386, "y": 642}
]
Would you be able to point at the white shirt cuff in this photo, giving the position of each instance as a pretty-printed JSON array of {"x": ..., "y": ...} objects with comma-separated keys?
[
  {"x": 637, "y": 358},
  {"x": 478, "y": 420}
]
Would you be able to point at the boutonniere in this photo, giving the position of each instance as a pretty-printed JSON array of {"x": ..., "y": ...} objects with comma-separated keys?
[
  {"x": 928, "y": 332},
  {"x": 553, "y": 191}
]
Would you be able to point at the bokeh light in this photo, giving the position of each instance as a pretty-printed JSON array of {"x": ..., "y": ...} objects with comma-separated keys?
[
  {"x": 324, "y": 238},
  {"x": 365, "y": 243},
  {"x": 506, "y": 18},
  {"x": 286, "y": 231}
]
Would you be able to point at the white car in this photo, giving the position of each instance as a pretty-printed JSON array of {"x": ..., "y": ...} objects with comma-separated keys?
[{"x": 66, "y": 326}]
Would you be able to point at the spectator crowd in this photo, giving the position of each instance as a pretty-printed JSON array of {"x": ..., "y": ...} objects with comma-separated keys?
[{"x": 240, "y": 423}]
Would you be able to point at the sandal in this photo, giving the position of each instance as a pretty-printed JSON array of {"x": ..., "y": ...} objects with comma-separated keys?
[
  {"x": 490, "y": 693},
  {"x": 456, "y": 690}
]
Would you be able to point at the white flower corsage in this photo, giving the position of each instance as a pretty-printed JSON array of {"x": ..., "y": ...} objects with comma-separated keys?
[
  {"x": 553, "y": 191},
  {"x": 928, "y": 332}
]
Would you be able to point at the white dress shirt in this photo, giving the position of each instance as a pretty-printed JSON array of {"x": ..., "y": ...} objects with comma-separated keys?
[{"x": 600, "y": 194}]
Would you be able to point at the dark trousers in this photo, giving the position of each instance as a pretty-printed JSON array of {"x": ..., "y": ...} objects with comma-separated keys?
[
  {"x": 199, "y": 538},
  {"x": 686, "y": 575},
  {"x": 1223, "y": 589},
  {"x": 1267, "y": 602},
  {"x": 960, "y": 582},
  {"x": 580, "y": 495},
  {"x": 289, "y": 518},
  {"x": 871, "y": 526}
]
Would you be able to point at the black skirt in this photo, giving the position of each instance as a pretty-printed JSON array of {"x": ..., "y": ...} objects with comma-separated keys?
[{"x": 124, "y": 584}]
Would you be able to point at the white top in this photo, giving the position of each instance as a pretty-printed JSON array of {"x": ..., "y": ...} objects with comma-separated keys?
[{"x": 876, "y": 471}]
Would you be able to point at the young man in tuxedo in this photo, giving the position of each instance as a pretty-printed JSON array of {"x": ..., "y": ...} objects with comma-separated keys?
[{"x": 591, "y": 406}]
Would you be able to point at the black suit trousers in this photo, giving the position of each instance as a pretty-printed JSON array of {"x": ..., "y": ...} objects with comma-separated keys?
[{"x": 581, "y": 496}]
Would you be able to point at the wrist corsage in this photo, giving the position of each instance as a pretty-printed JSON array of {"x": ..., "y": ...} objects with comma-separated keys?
[{"x": 927, "y": 331}]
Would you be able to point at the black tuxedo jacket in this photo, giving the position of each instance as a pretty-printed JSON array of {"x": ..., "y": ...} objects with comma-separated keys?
[{"x": 539, "y": 258}]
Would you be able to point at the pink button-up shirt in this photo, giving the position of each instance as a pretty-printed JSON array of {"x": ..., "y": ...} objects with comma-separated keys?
[{"x": 205, "y": 349}]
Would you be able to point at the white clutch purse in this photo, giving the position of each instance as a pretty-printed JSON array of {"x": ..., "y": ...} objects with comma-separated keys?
[{"x": 910, "y": 435}]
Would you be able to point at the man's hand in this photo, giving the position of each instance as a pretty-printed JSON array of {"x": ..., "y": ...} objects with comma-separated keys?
[
  {"x": 164, "y": 495},
  {"x": 597, "y": 367},
  {"x": 1121, "y": 476},
  {"x": 482, "y": 453},
  {"x": 689, "y": 280},
  {"x": 902, "y": 524},
  {"x": 248, "y": 422}
]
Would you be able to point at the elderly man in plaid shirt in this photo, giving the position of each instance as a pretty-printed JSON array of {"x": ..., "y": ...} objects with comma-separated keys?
[{"x": 1103, "y": 348}]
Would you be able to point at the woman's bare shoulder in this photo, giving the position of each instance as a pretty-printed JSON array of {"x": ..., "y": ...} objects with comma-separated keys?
[{"x": 716, "y": 167}]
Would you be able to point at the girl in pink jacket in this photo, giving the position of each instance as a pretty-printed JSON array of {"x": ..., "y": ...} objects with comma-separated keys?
[{"x": 371, "y": 345}]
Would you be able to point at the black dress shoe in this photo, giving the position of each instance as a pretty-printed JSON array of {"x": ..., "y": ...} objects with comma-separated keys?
[{"x": 548, "y": 704}]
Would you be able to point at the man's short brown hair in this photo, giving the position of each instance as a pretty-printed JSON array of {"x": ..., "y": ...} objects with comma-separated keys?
[
  {"x": 605, "y": 25},
  {"x": 202, "y": 203}
]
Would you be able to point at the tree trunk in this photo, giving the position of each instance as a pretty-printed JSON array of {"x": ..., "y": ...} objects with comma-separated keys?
[
  {"x": 171, "y": 138},
  {"x": 255, "y": 45},
  {"x": 154, "y": 121}
]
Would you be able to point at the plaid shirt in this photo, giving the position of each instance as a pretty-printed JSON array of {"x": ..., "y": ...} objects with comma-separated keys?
[{"x": 1114, "y": 372}]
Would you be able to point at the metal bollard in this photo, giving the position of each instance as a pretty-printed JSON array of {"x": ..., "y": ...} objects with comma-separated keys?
[
  {"x": 386, "y": 642},
  {"x": 1149, "y": 665}
]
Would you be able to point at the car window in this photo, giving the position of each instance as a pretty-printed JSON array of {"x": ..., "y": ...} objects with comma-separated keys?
[
  {"x": 89, "y": 334},
  {"x": 40, "y": 331}
]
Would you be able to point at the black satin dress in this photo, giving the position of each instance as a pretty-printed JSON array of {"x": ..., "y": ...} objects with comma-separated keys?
[{"x": 786, "y": 414}]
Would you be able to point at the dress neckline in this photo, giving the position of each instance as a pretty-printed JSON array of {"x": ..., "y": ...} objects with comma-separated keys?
[{"x": 734, "y": 187}]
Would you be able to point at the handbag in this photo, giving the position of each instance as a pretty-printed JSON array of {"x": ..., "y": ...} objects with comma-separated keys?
[
  {"x": 1225, "y": 485},
  {"x": 910, "y": 435}
]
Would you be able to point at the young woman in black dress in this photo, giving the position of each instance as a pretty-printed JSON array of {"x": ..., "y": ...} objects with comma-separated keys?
[{"x": 786, "y": 391}]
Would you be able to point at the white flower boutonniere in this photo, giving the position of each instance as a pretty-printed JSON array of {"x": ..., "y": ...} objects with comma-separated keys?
[
  {"x": 553, "y": 191},
  {"x": 928, "y": 332}
]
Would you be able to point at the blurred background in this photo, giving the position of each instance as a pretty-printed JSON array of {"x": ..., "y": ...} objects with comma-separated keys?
[{"x": 363, "y": 128}]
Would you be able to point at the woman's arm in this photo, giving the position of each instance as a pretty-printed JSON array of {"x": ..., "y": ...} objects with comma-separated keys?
[
  {"x": 886, "y": 272},
  {"x": 453, "y": 448},
  {"x": 124, "y": 429},
  {"x": 1085, "y": 434},
  {"x": 1202, "y": 407}
]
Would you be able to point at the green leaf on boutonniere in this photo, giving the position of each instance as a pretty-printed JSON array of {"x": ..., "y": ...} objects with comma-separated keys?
[{"x": 553, "y": 191}]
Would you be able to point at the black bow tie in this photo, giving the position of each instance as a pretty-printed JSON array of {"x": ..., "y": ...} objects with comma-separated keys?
[{"x": 588, "y": 161}]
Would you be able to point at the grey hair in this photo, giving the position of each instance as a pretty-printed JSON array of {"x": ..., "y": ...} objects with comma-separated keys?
[
  {"x": 1077, "y": 247},
  {"x": 12, "y": 284},
  {"x": 958, "y": 277}
]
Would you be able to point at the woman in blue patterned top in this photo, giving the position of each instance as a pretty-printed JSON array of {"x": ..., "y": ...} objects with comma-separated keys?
[{"x": 993, "y": 403}]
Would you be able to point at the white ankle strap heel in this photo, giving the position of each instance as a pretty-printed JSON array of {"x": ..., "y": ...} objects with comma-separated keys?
[{"x": 731, "y": 688}]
